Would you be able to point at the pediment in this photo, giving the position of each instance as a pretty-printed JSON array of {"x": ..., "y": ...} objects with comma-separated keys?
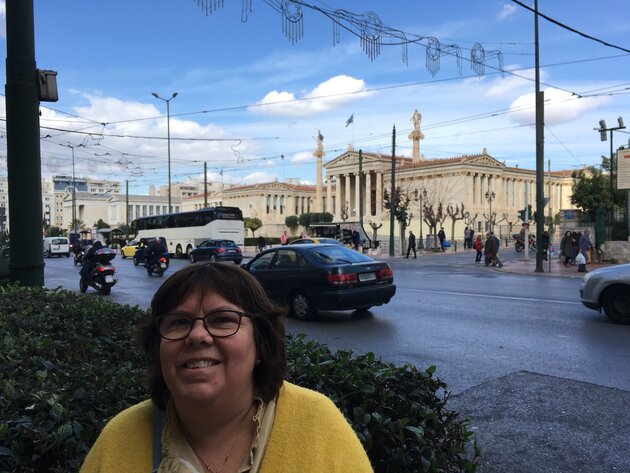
[
  {"x": 485, "y": 160},
  {"x": 351, "y": 158}
]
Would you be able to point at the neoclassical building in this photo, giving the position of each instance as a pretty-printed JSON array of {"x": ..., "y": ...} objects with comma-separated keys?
[{"x": 467, "y": 180}]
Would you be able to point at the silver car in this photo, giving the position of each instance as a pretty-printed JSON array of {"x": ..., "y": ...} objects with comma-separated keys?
[{"x": 608, "y": 288}]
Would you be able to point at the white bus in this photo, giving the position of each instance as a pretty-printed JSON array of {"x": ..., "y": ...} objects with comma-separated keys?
[{"x": 183, "y": 231}]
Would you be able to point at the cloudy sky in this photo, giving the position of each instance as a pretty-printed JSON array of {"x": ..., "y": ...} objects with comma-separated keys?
[{"x": 251, "y": 97}]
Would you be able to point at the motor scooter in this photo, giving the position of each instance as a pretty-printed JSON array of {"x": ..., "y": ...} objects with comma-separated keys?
[
  {"x": 101, "y": 276},
  {"x": 78, "y": 257},
  {"x": 156, "y": 265},
  {"x": 519, "y": 245}
]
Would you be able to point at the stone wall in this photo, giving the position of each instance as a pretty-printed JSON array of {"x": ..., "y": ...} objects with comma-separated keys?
[{"x": 616, "y": 250}]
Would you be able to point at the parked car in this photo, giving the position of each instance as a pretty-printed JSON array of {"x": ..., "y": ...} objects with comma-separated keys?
[
  {"x": 139, "y": 255},
  {"x": 312, "y": 277},
  {"x": 608, "y": 288},
  {"x": 302, "y": 241},
  {"x": 217, "y": 250}
]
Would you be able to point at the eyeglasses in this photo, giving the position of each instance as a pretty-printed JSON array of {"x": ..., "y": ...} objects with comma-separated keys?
[{"x": 219, "y": 324}]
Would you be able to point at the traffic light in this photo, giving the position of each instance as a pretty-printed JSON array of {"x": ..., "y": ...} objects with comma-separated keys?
[
  {"x": 521, "y": 215},
  {"x": 403, "y": 214}
]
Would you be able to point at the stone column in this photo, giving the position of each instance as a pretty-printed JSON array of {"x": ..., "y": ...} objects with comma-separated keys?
[
  {"x": 379, "y": 192},
  {"x": 357, "y": 195},
  {"x": 347, "y": 199},
  {"x": 329, "y": 195},
  {"x": 339, "y": 202},
  {"x": 368, "y": 194}
]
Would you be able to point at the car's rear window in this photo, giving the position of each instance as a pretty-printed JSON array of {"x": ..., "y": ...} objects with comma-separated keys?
[
  {"x": 338, "y": 254},
  {"x": 59, "y": 241}
]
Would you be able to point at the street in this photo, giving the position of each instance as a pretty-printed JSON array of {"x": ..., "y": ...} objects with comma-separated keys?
[{"x": 474, "y": 323}]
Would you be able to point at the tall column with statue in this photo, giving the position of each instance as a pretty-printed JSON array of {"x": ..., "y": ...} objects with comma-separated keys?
[
  {"x": 415, "y": 136},
  {"x": 319, "y": 154}
]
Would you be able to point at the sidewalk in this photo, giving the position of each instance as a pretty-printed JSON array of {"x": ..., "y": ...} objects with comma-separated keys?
[{"x": 557, "y": 268}]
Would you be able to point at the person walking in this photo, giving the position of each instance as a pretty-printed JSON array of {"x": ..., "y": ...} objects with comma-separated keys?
[
  {"x": 442, "y": 237},
  {"x": 411, "y": 244},
  {"x": 497, "y": 260},
  {"x": 478, "y": 247},
  {"x": 261, "y": 243},
  {"x": 467, "y": 240},
  {"x": 566, "y": 247},
  {"x": 584, "y": 244},
  {"x": 284, "y": 238}
]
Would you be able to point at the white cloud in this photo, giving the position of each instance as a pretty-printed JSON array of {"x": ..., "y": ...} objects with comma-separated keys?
[
  {"x": 560, "y": 107},
  {"x": 335, "y": 92},
  {"x": 506, "y": 11},
  {"x": 258, "y": 177},
  {"x": 303, "y": 156}
]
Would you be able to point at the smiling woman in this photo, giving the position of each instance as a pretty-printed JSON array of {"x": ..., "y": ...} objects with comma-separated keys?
[{"x": 219, "y": 402}]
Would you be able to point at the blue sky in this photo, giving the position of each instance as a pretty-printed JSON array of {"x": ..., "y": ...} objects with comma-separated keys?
[{"x": 246, "y": 104}]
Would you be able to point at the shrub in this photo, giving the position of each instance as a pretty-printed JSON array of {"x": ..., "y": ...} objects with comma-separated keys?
[{"x": 68, "y": 363}]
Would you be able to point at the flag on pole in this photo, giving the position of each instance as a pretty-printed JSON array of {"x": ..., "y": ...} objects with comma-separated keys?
[{"x": 350, "y": 120}]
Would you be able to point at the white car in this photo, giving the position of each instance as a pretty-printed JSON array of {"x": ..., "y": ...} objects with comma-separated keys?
[{"x": 608, "y": 288}]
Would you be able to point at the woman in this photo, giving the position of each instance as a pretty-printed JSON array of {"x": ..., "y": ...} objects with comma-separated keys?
[
  {"x": 566, "y": 247},
  {"x": 217, "y": 353},
  {"x": 478, "y": 246}
]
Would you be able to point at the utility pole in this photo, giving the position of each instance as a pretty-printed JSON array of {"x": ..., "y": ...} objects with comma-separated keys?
[
  {"x": 23, "y": 151},
  {"x": 540, "y": 153},
  {"x": 205, "y": 185},
  {"x": 392, "y": 205}
]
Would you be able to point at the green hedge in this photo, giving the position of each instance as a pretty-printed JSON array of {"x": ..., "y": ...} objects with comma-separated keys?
[{"x": 68, "y": 363}]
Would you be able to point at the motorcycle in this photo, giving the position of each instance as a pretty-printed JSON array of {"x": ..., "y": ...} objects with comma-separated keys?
[
  {"x": 101, "y": 276},
  {"x": 78, "y": 257},
  {"x": 157, "y": 266},
  {"x": 519, "y": 245}
]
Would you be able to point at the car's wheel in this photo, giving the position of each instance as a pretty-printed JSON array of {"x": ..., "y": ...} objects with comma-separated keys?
[
  {"x": 364, "y": 309},
  {"x": 83, "y": 285},
  {"x": 135, "y": 261},
  {"x": 616, "y": 303},
  {"x": 49, "y": 254},
  {"x": 192, "y": 258},
  {"x": 188, "y": 250},
  {"x": 213, "y": 259},
  {"x": 178, "y": 251},
  {"x": 149, "y": 271},
  {"x": 67, "y": 255},
  {"x": 106, "y": 290},
  {"x": 75, "y": 261},
  {"x": 238, "y": 261},
  {"x": 301, "y": 307}
]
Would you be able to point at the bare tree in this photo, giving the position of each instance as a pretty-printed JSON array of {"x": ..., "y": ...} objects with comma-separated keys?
[
  {"x": 401, "y": 200},
  {"x": 375, "y": 226},
  {"x": 455, "y": 213},
  {"x": 434, "y": 218}
]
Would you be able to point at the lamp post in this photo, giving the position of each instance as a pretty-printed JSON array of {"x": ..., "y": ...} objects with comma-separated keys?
[
  {"x": 602, "y": 135},
  {"x": 490, "y": 197},
  {"x": 73, "y": 224},
  {"x": 168, "y": 140},
  {"x": 420, "y": 196}
]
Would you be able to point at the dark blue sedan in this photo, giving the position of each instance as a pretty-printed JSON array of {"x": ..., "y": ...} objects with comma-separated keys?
[
  {"x": 217, "y": 250},
  {"x": 312, "y": 277}
]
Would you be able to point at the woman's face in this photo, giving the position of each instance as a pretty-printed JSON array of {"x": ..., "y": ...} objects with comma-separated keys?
[{"x": 201, "y": 368}]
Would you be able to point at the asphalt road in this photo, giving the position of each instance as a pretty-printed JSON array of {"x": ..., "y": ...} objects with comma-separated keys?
[{"x": 545, "y": 381}]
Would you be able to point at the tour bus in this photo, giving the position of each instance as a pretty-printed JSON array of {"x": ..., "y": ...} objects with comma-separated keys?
[{"x": 183, "y": 231}]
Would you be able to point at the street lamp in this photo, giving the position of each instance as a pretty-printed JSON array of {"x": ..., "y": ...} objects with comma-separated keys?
[
  {"x": 490, "y": 197},
  {"x": 420, "y": 195},
  {"x": 168, "y": 140},
  {"x": 73, "y": 224},
  {"x": 602, "y": 135}
]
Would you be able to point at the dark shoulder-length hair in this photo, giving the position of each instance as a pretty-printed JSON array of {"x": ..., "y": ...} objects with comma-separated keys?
[{"x": 238, "y": 287}]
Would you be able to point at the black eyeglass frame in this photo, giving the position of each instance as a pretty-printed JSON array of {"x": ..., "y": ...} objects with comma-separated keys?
[{"x": 205, "y": 325}]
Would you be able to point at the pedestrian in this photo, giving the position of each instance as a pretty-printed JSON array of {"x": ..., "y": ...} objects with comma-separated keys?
[
  {"x": 219, "y": 402},
  {"x": 356, "y": 240},
  {"x": 497, "y": 260},
  {"x": 284, "y": 238},
  {"x": 478, "y": 247},
  {"x": 442, "y": 237},
  {"x": 545, "y": 244},
  {"x": 575, "y": 237},
  {"x": 585, "y": 245},
  {"x": 411, "y": 244},
  {"x": 261, "y": 243},
  {"x": 472, "y": 237},
  {"x": 566, "y": 247},
  {"x": 467, "y": 242}
]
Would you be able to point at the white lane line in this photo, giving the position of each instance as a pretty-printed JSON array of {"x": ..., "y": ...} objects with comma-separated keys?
[{"x": 490, "y": 296}]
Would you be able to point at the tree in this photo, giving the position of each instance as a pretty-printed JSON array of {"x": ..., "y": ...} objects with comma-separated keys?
[
  {"x": 292, "y": 222},
  {"x": 252, "y": 224},
  {"x": 125, "y": 229},
  {"x": 591, "y": 190},
  {"x": 434, "y": 218},
  {"x": 456, "y": 213},
  {"x": 401, "y": 200},
  {"x": 54, "y": 231},
  {"x": 375, "y": 226},
  {"x": 101, "y": 224}
]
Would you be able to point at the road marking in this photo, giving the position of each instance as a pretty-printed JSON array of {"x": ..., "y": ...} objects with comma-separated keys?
[{"x": 490, "y": 296}]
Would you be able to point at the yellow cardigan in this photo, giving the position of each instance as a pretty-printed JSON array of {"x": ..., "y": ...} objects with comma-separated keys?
[{"x": 309, "y": 435}]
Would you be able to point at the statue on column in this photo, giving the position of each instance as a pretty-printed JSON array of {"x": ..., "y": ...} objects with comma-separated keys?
[{"x": 416, "y": 135}]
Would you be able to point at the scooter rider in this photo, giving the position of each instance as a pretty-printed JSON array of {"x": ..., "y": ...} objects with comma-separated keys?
[
  {"x": 155, "y": 251},
  {"x": 89, "y": 260}
]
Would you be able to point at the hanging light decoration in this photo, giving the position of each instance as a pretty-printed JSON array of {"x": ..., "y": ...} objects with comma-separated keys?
[
  {"x": 209, "y": 6},
  {"x": 246, "y": 9},
  {"x": 433, "y": 54},
  {"x": 478, "y": 59},
  {"x": 371, "y": 31},
  {"x": 292, "y": 20}
]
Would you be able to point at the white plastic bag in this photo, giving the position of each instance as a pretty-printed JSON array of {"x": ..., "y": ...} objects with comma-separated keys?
[{"x": 579, "y": 259}]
